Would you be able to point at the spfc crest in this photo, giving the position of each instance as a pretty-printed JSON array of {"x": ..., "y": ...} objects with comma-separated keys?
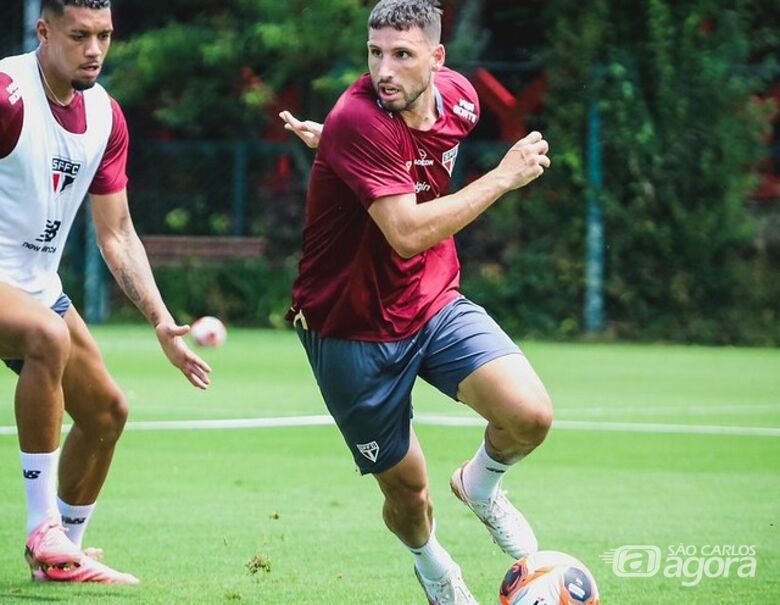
[
  {"x": 448, "y": 159},
  {"x": 63, "y": 173}
]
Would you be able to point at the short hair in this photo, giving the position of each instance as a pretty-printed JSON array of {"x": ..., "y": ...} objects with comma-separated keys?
[
  {"x": 58, "y": 6},
  {"x": 405, "y": 14}
]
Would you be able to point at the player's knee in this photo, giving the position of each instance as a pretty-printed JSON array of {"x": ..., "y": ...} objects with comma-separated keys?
[
  {"x": 48, "y": 343},
  {"x": 532, "y": 420},
  {"x": 108, "y": 425}
]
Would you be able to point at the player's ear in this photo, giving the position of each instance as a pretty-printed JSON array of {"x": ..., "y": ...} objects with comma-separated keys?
[
  {"x": 43, "y": 30},
  {"x": 438, "y": 57}
]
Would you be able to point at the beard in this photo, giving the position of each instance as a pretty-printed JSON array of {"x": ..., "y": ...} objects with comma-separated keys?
[
  {"x": 82, "y": 85},
  {"x": 406, "y": 100}
]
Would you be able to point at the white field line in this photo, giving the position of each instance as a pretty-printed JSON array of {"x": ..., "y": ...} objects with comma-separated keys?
[
  {"x": 677, "y": 410},
  {"x": 575, "y": 425}
]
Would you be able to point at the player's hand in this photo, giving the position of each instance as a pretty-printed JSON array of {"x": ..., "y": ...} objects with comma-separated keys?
[
  {"x": 525, "y": 161},
  {"x": 308, "y": 131},
  {"x": 176, "y": 350}
]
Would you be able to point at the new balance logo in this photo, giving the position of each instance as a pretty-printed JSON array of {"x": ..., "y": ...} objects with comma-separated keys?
[
  {"x": 73, "y": 520},
  {"x": 50, "y": 231},
  {"x": 31, "y": 474},
  {"x": 369, "y": 450}
]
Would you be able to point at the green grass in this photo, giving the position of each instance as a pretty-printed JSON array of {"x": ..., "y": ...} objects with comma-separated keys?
[{"x": 187, "y": 510}]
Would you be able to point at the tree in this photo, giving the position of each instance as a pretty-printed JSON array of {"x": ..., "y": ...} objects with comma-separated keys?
[{"x": 212, "y": 69}]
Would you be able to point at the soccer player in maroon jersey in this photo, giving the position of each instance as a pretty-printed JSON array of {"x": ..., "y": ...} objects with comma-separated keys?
[
  {"x": 61, "y": 137},
  {"x": 377, "y": 301}
]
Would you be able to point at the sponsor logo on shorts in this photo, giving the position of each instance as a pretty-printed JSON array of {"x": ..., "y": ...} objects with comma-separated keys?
[{"x": 369, "y": 450}]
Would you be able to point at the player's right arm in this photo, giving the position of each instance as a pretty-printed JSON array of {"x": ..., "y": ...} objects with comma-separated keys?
[{"x": 411, "y": 228}]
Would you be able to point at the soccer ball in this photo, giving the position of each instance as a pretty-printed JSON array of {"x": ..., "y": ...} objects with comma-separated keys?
[
  {"x": 548, "y": 577},
  {"x": 208, "y": 331}
]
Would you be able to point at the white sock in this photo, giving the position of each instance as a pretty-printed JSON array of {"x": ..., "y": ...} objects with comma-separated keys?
[
  {"x": 40, "y": 486},
  {"x": 75, "y": 518},
  {"x": 482, "y": 475},
  {"x": 431, "y": 560}
]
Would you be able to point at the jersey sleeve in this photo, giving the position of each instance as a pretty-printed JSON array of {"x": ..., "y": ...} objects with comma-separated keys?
[
  {"x": 11, "y": 115},
  {"x": 364, "y": 151},
  {"x": 111, "y": 176}
]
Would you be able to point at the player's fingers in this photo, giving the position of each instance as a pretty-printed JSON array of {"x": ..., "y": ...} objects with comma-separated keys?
[
  {"x": 201, "y": 365},
  {"x": 196, "y": 374},
  {"x": 290, "y": 120},
  {"x": 544, "y": 161},
  {"x": 197, "y": 381},
  {"x": 532, "y": 137}
]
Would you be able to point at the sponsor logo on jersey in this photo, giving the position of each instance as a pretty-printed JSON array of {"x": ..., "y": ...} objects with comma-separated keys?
[
  {"x": 369, "y": 450},
  {"x": 448, "y": 159},
  {"x": 466, "y": 110},
  {"x": 49, "y": 232},
  {"x": 421, "y": 187},
  {"x": 423, "y": 159},
  {"x": 63, "y": 173},
  {"x": 14, "y": 93}
]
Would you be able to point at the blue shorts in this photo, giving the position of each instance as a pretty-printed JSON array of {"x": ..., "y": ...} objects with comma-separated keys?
[
  {"x": 60, "y": 307},
  {"x": 367, "y": 386}
]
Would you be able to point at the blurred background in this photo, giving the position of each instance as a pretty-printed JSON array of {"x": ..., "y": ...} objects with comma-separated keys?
[{"x": 659, "y": 220}]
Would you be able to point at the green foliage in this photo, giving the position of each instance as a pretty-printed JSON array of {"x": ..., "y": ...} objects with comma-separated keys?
[
  {"x": 242, "y": 291},
  {"x": 213, "y": 71},
  {"x": 680, "y": 135}
]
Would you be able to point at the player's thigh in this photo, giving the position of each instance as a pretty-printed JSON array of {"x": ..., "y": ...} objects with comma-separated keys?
[
  {"x": 470, "y": 358},
  {"x": 24, "y": 321},
  {"x": 367, "y": 388},
  {"x": 507, "y": 390},
  {"x": 90, "y": 391}
]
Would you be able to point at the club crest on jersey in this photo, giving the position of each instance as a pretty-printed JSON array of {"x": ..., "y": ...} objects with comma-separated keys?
[
  {"x": 63, "y": 173},
  {"x": 448, "y": 159}
]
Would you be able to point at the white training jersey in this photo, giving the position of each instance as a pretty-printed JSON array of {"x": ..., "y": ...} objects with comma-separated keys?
[{"x": 44, "y": 181}]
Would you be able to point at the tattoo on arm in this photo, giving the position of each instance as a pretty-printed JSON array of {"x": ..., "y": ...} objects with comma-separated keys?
[
  {"x": 130, "y": 281},
  {"x": 128, "y": 264}
]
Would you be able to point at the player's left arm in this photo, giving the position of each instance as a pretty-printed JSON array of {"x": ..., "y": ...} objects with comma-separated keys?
[{"x": 126, "y": 258}]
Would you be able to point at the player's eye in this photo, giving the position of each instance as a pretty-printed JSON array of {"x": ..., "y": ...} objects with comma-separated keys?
[
  {"x": 375, "y": 52},
  {"x": 402, "y": 54}
]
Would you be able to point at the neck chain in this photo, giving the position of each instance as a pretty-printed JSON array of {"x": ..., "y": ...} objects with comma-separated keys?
[{"x": 53, "y": 96}]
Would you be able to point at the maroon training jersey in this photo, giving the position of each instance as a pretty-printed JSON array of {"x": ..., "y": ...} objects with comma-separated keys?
[
  {"x": 111, "y": 176},
  {"x": 351, "y": 283}
]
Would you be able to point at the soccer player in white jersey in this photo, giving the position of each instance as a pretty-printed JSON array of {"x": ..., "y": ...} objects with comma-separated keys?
[{"x": 62, "y": 137}]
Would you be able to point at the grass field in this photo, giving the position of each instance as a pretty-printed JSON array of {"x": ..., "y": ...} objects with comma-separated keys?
[{"x": 190, "y": 511}]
